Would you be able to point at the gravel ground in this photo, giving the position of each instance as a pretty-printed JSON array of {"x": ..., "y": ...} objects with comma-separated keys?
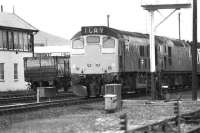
[{"x": 89, "y": 118}]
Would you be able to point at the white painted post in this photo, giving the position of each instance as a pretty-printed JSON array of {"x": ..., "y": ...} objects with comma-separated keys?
[
  {"x": 151, "y": 8},
  {"x": 152, "y": 44},
  {"x": 152, "y": 55},
  {"x": 38, "y": 94}
]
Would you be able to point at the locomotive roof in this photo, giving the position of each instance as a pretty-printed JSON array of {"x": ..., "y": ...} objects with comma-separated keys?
[
  {"x": 120, "y": 34},
  {"x": 114, "y": 32}
]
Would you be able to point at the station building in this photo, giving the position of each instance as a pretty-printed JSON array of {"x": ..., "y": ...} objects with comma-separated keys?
[
  {"x": 16, "y": 42},
  {"x": 46, "y": 44}
]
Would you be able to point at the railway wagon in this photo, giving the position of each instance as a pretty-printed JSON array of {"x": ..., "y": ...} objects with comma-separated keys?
[
  {"x": 48, "y": 71},
  {"x": 102, "y": 55}
]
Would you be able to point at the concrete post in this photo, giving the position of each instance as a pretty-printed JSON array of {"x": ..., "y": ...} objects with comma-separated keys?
[{"x": 152, "y": 55}]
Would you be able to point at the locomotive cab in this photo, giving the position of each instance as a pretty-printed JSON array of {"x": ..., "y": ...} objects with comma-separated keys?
[{"x": 94, "y": 55}]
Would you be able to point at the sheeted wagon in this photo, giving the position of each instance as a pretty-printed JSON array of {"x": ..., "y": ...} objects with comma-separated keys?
[{"x": 50, "y": 71}]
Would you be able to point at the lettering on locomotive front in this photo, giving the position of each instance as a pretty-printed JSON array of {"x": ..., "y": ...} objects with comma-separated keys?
[
  {"x": 92, "y": 30},
  {"x": 100, "y": 30}
]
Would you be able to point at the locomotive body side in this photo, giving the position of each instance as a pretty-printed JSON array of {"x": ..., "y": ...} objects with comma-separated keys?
[
  {"x": 176, "y": 64},
  {"x": 135, "y": 62},
  {"x": 173, "y": 62},
  {"x": 136, "y": 57},
  {"x": 176, "y": 56},
  {"x": 171, "y": 55}
]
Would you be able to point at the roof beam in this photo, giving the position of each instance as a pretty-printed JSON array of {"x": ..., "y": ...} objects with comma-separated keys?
[{"x": 166, "y": 6}]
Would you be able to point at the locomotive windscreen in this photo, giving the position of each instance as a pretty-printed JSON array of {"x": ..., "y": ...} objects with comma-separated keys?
[
  {"x": 93, "y": 39},
  {"x": 78, "y": 44},
  {"x": 108, "y": 42}
]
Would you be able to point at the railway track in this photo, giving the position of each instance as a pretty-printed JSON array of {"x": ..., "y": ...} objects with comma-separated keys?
[
  {"x": 19, "y": 97},
  {"x": 31, "y": 98},
  {"x": 16, "y": 94},
  {"x": 189, "y": 123},
  {"x": 8, "y": 109},
  {"x": 29, "y": 103}
]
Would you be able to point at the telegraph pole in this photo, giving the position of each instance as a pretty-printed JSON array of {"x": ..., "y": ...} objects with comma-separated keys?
[{"x": 194, "y": 52}]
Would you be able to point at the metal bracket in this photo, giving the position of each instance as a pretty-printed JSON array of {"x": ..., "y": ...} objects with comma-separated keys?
[{"x": 165, "y": 18}]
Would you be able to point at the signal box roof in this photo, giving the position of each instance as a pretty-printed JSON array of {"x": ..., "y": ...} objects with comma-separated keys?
[{"x": 13, "y": 21}]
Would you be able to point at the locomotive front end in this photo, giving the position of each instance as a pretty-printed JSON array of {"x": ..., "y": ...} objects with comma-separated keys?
[{"x": 94, "y": 54}]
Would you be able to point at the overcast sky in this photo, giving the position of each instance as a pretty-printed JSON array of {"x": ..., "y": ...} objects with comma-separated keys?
[{"x": 65, "y": 17}]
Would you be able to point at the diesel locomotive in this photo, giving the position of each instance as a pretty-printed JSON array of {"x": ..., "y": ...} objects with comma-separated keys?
[{"x": 102, "y": 55}]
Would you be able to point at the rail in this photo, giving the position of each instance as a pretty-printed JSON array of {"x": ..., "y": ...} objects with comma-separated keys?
[
  {"x": 8, "y": 109},
  {"x": 31, "y": 98}
]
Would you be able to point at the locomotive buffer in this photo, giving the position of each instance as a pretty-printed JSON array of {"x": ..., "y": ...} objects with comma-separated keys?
[{"x": 151, "y": 8}]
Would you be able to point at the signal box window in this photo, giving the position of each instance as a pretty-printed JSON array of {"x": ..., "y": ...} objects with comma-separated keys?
[
  {"x": 15, "y": 71},
  {"x": 1, "y": 40},
  {"x": 78, "y": 44},
  {"x": 108, "y": 42},
  {"x": 25, "y": 36},
  {"x": 93, "y": 39},
  {"x": 4, "y": 39},
  {"x": 10, "y": 40},
  {"x": 21, "y": 41},
  {"x": 1, "y": 71},
  {"x": 16, "y": 40}
]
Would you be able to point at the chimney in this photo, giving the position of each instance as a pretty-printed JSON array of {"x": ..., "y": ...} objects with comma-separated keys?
[
  {"x": 1, "y": 8},
  {"x": 108, "y": 16},
  {"x": 13, "y": 9}
]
